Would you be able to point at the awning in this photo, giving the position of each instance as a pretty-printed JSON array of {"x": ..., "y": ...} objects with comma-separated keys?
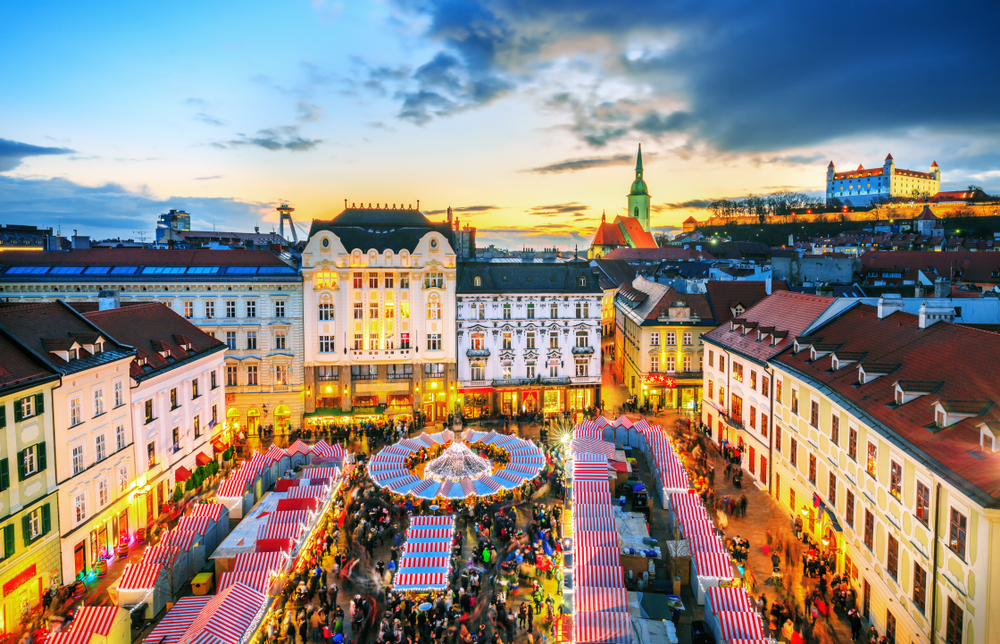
[
  {"x": 327, "y": 412},
  {"x": 475, "y": 390},
  {"x": 203, "y": 459},
  {"x": 182, "y": 474},
  {"x": 368, "y": 411},
  {"x": 219, "y": 446},
  {"x": 834, "y": 523}
]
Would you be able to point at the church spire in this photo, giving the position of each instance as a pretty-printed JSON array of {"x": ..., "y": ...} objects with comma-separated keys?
[{"x": 638, "y": 164}]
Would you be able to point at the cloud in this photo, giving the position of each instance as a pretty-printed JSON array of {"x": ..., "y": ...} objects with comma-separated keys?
[
  {"x": 110, "y": 210},
  {"x": 285, "y": 137},
  {"x": 208, "y": 120},
  {"x": 575, "y": 165},
  {"x": 12, "y": 153},
  {"x": 690, "y": 204},
  {"x": 469, "y": 211},
  {"x": 217, "y": 176},
  {"x": 558, "y": 209},
  {"x": 309, "y": 112}
]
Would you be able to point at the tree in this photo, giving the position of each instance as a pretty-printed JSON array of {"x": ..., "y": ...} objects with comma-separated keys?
[{"x": 662, "y": 239}]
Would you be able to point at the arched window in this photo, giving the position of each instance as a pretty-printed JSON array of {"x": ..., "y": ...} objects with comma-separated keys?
[
  {"x": 637, "y": 212},
  {"x": 477, "y": 281},
  {"x": 433, "y": 309},
  {"x": 581, "y": 281}
]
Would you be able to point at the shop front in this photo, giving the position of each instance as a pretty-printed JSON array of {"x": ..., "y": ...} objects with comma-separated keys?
[
  {"x": 554, "y": 400},
  {"x": 327, "y": 419},
  {"x": 25, "y": 580},
  {"x": 434, "y": 401},
  {"x": 400, "y": 407},
  {"x": 581, "y": 398},
  {"x": 475, "y": 403},
  {"x": 507, "y": 399},
  {"x": 669, "y": 392},
  {"x": 529, "y": 401}
]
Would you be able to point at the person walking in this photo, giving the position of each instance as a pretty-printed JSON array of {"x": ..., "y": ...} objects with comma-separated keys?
[{"x": 743, "y": 505}]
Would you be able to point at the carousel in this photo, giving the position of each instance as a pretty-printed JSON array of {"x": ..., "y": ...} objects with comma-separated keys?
[{"x": 456, "y": 466}]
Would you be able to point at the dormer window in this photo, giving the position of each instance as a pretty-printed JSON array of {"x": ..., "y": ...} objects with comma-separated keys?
[
  {"x": 899, "y": 396},
  {"x": 941, "y": 418},
  {"x": 477, "y": 280},
  {"x": 141, "y": 361},
  {"x": 74, "y": 354},
  {"x": 99, "y": 347}
]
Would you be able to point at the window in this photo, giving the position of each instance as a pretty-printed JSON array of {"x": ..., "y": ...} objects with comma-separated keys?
[
  {"x": 75, "y": 412},
  {"x": 582, "y": 310},
  {"x": 325, "y": 312},
  {"x": 711, "y": 383},
  {"x": 895, "y": 479},
  {"x": 654, "y": 367},
  {"x": 553, "y": 339},
  {"x": 791, "y": 498},
  {"x": 279, "y": 309},
  {"x": 814, "y": 413},
  {"x": 869, "y": 528},
  {"x": 831, "y": 490},
  {"x": 151, "y": 453},
  {"x": 122, "y": 479},
  {"x": 892, "y": 557},
  {"x": 231, "y": 340},
  {"x": 482, "y": 311},
  {"x": 777, "y": 437},
  {"x": 530, "y": 311},
  {"x": 280, "y": 374},
  {"x": 358, "y": 280},
  {"x": 251, "y": 339},
  {"x": 529, "y": 369},
  {"x": 120, "y": 437},
  {"x": 194, "y": 388},
  {"x": 197, "y": 426},
  {"x": 478, "y": 341},
  {"x": 252, "y": 308},
  {"x": 835, "y": 429},
  {"x": 529, "y": 340},
  {"x": 280, "y": 340},
  {"x": 812, "y": 469},
  {"x": 102, "y": 493},
  {"x": 389, "y": 280},
  {"x": 582, "y": 367},
  {"x": 359, "y": 341},
  {"x": 404, "y": 280},
  {"x": 434, "y": 280},
  {"x": 189, "y": 310},
  {"x": 359, "y": 311},
  {"x": 252, "y": 375},
  {"x": 654, "y": 339},
  {"x": 373, "y": 311},
  {"x": 100, "y": 448},
  {"x": 372, "y": 280},
  {"x": 230, "y": 375},
  {"x": 793, "y": 453},
  {"x": 890, "y": 627},
  {"x": 390, "y": 310},
  {"x": 956, "y": 534},
  {"x": 672, "y": 365},
  {"x": 687, "y": 339},
  {"x": 505, "y": 370},
  {"x": 737, "y": 372},
  {"x": 78, "y": 459},
  {"x": 32, "y": 460},
  {"x": 795, "y": 401},
  {"x": 433, "y": 341},
  {"x": 956, "y": 620},
  {"x": 777, "y": 392},
  {"x": 434, "y": 310},
  {"x": 753, "y": 380},
  {"x": 404, "y": 310},
  {"x": 506, "y": 311},
  {"x": 872, "y": 462},
  {"x": 919, "y": 587},
  {"x": 765, "y": 383},
  {"x": 434, "y": 369},
  {"x": 119, "y": 394},
  {"x": 670, "y": 338},
  {"x": 852, "y": 443},
  {"x": 173, "y": 398},
  {"x": 849, "y": 510},
  {"x": 687, "y": 363},
  {"x": 582, "y": 338},
  {"x": 553, "y": 368},
  {"x": 505, "y": 340},
  {"x": 209, "y": 310},
  {"x": 923, "y": 509},
  {"x": 478, "y": 370},
  {"x": 553, "y": 310},
  {"x": 79, "y": 508},
  {"x": 230, "y": 308},
  {"x": 326, "y": 344},
  {"x": 711, "y": 357}
]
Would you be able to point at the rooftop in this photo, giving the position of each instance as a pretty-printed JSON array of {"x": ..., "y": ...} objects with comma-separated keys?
[{"x": 142, "y": 263}]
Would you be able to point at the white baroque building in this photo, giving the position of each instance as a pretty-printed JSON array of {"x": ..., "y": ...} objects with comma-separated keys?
[
  {"x": 529, "y": 336},
  {"x": 379, "y": 304}
]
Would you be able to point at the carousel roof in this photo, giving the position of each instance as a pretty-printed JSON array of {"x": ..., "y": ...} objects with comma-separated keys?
[{"x": 456, "y": 463}]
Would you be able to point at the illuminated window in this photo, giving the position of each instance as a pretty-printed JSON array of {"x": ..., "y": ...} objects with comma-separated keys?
[
  {"x": 325, "y": 312},
  {"x": 654, "y": 367},
  {"x": 895, "y": 479},
  {"x": 505, "y": 341},
  {"x": 872, "y": 462}
]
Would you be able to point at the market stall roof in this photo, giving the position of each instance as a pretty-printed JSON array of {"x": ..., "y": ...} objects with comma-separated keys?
[
  {"x": 178, "y": 619},
  {"x": 592, "y": 510},
  {"x": 403, "y": 484},
  {"x": 704, "y": 542},
  {"x": 90, "y": 621},
  {"x": 588, "y": 432},
  {"x": 595, "y": 540},
  {"x": 242, "y": 538},
  {"x": 427, "y": 547},
  {"x": 165, "y": 555},
  {"x": 211, "y": 510},
  {"x": 182, "y": 539},
  {"x": 589, "y": 599},
  {"x": 140, "y": 576},
  {"x": 226, "y": 617},
  {"x": 739, "y": 625},
  {"x": 307, "y": 492},
  {"x": 430, "y": 534},
  {"x": 585, "y": 471},
  {"x": 440, "y": 561},
  {"x": 275, "y": 453},
  {"x": 298, "y": 447},
  {"x": 300, "y": 517},
  {"x": 259, "y": 561},
  {"x": 593, "y": 446},
  {"x": 279, "y": 531},
  {"x": 641, "y": 424},
  {"x": 599, "y": 576},
  {"x": 259, "y": 579},
  {"x": 594, "y": 556},
  {"x": 586, "y": 491},
  {"x": 623, "y": 421},
  {"x": 198, "y": 524},
  {"x": 433, "y": 521},
  {"x": 420, "y": 579},
  {"x": 328, "y": 472},
  {"x": 729, "y": 599},
  {"x": 713, "y": 564},
  {"x": 233, "y": 487},
  {"x": 602, "y": 628}
]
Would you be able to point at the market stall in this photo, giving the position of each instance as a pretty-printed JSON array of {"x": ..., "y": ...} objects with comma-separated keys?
[
  {"x": 729, "y": 626},
  {"x": 143, "y": 584},
  {"x": 178, "y": 619},
  {"x": 226, "y": 617},
  {"x": 592, "y": 600},
  {"x": 603, "y": 627},
  {"x": 278, "y": 461},
  {"x": 97, "y": 625},
  {"x": 709, "y": 569},
  {"x": 299, "y": 454},
  {"x": 218, "y": 526},
  {"x": 235, "y": 494},
  {"x": 176, "y": 565},
  {"x": 191, "y": 548}
]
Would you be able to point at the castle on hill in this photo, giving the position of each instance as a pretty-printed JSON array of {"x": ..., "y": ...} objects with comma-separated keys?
[{"x": 861, "y": 186}]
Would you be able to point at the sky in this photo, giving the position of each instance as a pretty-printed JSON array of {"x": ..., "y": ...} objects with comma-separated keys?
[{"x": 523, "y": 115}]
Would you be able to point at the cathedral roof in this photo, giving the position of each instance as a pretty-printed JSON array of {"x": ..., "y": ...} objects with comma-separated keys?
[{"x": 608, "y": 234}]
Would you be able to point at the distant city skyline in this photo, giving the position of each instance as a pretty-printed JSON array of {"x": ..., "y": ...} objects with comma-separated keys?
[{"x": 522, "y": 117}]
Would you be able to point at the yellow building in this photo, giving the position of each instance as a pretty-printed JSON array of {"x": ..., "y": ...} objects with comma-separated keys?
[
  {"x": 886, "y": 433},
  {"x": 28, "y": 510}
]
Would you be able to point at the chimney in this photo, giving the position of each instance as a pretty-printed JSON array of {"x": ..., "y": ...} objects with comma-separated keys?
[
  {"x": 934, "y": 311},
  {"x": 107, "y": 300},
  {"x": 918, "y": 291},
  {"x": 942, "y": 288},
  {"x": 889, "y": 304}
]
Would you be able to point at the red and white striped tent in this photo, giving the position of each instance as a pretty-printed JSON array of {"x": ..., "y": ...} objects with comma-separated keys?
[
  {"x": 179, "y": 561},
  {"x": 233, "y": 487},
  {"x": 211, "y": 510},
  {"x": 592, "y": 510},
  {"x": 109, "y": 622},
  {"x": 603, "y": 422},
  {"x": 739, "y": 625},
  {"x": 704, "y": 542},
  {"x": 623, "y": 421},
  {"x": 593, "y": 524},
  {"x": 383, "y": 457},
  {"x": 524, "y": 468},
  {"x": 259, "y": 580},
  {"x": 591, "y": 600},
  {"x": 171, "y": 628},
  {"x": 247, "y": 561},
  {"x": 396, "y": 449},
  {"x": 598, "y": 492},
  {"x": 641, "y": 425},
  {"x": 166, "y": 555},
  {"x": 307, "y": 492},
  {"x": 427, "y": 547},
  {"x": 301, "y": 517},
  {"x": 410, "y": 444},
  {"x": 140, "y": 577},
  {"x": 298, "y": 447},
  {"x": 226, "y": 617},
  {"x": 691, "y": 512},
  {"x": 595, "y": 540},
  {"x": 432, "y": 521},
  {"x": 586, "y": 471},
  {"x": 275, "y": 454},
  {"x": 602, "y": 628},
  {"x": 593, "y": 556},
  {"x": 431, "y": 534},
  {"x": 279, "y": 531},
  {"x": 195, "y": 524},
  {"x": 420, "y": 580},
  {"x": 592, "y": 432},
  {"x": 508, "y": 479},
  {"x": 723, "y": 599},
  {"x": 144, "y": 584},
  {"x": 713, "y": 564},
  {"x": 598, "y": 577},
  {"x": 416, "y": 561},
  {"x": 323, "y": 449},
  {"x": 593, "y": 446},
  {"x": 682, "y": 500},
  {"x": 317, "y": 473}
]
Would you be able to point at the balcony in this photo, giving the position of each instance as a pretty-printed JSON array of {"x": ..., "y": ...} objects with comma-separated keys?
[
  {"x": 579, "y": 351},
  {"x": 399, "y": 376},
  {"x": 361, "y": 355},
  {"x": 364, "y": 376},
  {"x": 478, "y": 353},
  {"x": 586, "y": 380},
  {"x": 477, "y": 383}
]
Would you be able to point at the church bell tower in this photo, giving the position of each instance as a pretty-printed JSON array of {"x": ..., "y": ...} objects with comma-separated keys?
[{"x": 638, "y": 196}]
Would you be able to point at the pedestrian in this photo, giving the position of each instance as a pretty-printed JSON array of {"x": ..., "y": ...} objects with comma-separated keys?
[
  {"x": 743, "y": 505},
  {"x": 531, "y": 617},
  {"x": 855, "y": 624}
]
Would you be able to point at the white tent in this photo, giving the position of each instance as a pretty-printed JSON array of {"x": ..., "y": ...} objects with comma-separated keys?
[
  {"x": 144, "y": 584},
  {"x": 218, "y": 526}
]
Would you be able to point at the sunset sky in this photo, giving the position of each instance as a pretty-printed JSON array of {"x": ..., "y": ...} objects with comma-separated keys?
[{"x": 522, "y": 115}]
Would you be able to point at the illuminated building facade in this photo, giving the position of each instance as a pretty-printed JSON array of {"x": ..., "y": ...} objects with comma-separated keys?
[
  {"x": 92, "y": 429},
  {"x": 529, "y": 336},
  {"x": 28, "y": 507},
  {"x": 378, "y": 291},
  {"x": 177, "y": 396},
  {"x": 862, "y": 185},
  {"x": 249, "y": 299}
]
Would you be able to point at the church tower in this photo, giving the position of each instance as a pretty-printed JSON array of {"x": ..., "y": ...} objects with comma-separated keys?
[{"x": 638, "y": 196}]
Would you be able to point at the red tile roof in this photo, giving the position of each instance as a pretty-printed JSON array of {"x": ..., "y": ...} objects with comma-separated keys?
[
  {"x": 860, "y": 172},
  {"x": 18, "y": 368},
  {"x": 152, "y": 328},
  {"x": 783, "y": 311},
  {"x": 633, "y": 230},
  {"x": 142, "y": 257},
  {"x": 659, "y": 254},
  {"x": 962, "y": 265},
  {"x": 608, "y": 234},
  {"x": 725, "y": 296},
  {"x": 949, "y": 353}
]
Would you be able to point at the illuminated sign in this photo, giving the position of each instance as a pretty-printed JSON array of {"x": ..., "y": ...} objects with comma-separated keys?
[
  {"x": 659, "y": 380},
  {"x": 22, "y": 578}
]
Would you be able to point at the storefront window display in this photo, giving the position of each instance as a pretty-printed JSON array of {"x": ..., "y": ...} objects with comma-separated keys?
[{"x": 553, "y": 401}]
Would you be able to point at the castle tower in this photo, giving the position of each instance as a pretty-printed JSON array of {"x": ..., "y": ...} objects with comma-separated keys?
[{"x": 638, "y": 196}]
